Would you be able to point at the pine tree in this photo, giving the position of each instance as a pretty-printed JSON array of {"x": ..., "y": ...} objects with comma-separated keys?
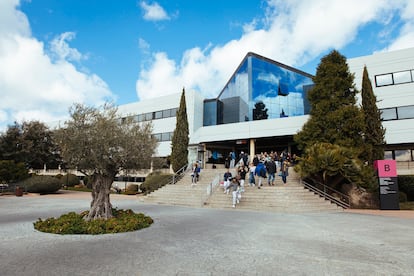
[
  {"x": 180, "y": 140},
  {"x": 334, "y": 116},
  {"x": 374, "y": 132}
]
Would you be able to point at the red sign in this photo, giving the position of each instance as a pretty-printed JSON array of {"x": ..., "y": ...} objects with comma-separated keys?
[{"x": 386, "y": 168}]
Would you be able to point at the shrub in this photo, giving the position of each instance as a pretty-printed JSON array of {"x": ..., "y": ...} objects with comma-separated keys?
[
  {"x": 69, "y": 180},
  {"x": 42, "y": 184},
  {"x": 155, "y": 181},
  {"x": 11, "y": 171},
  {"x": 132, "y": 189},
  {"x": 406, "y": 185},
  {"x": 73, "y": 223},
  {"x": 402, "y": 197}
]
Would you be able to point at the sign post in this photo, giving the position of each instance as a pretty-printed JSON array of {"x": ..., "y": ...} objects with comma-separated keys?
[{"x": 388, "y": 184}]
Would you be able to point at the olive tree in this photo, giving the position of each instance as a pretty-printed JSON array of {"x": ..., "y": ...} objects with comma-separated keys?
[{"x": 98, "y": 144}]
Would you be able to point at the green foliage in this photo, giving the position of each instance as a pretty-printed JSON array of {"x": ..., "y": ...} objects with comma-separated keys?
[
  {"x": 10, "y": 171},
  {"x": 73, "y": 223},
  {"x": 155, "y": 181},
  {"x": 42, "y": 184},
  {"x": 374, "y": 133},
  {"x": 402, "y": 197},
  {"x": 31, "y": 143},
  {"x": 406, "y": 185},
  {"x": 69, "y": 180},
  {"x": 132, "y": 189},
  {"x": 334, "y": 116},
  {"x": 334, "y": 165},
  {"x": 180, "y": 139}
]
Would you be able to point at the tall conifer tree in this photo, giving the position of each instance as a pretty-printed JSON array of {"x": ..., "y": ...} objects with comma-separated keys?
[
  {"x": 374, "y": 132},
  {"x": 180, "y": 140},
  {"x": 334, "y": 116}
]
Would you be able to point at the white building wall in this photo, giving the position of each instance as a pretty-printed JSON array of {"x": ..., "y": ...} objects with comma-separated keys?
[{"x": 397, "y": 131}]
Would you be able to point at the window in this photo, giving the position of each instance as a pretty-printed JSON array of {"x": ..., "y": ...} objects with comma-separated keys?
[
  {"x": 405, "y": 112},
  {"x": 157, "y": 136},
  {"x": 388, "y": 155},
  {"x": 403, "y": 155},
  {"x": 166, "y": 113},
  {"x": 158, "y": 115},
  {"x": 382, "y": 80},
  {"x": 148, "y": 116},
  {"x": 389, "y": 114},
  {"x": 402, "y": 77}
]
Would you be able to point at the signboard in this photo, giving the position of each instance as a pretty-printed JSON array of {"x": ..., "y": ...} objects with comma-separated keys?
[{"x": 388, "y": 184}]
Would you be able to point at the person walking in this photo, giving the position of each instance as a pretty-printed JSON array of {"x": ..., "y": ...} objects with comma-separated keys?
[
  {"x": 271, "y": 170},
  {"x": 242, "y": 173},
  {"x": 227, "y": 177},
  {"x": 234, "y": 187},
  {"x": 252, "y": 181},
  {"x": 284, "y": 170},
  {"x": 261, "y": 173}
]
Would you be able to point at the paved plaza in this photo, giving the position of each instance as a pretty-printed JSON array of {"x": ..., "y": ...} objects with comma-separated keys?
[{"x": 202, "y": 241}]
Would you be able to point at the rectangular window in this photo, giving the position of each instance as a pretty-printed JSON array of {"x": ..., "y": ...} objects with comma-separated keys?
[
  {"x": 382, "y": 80},
  {"x": 388, "y": 114},
  {"x": 405, "y": 112},
  {"x": 174, "y": 112},
  {"x": 166, "y": 113},
  {"x": 157, "y": 136},
  {"x": 148, "y": 116},
  {"x": 402, "y": 77},
  {"x": 158, "y": 115},
  {"x": 166, "y": 136},
  {"x": 403, "y": 155},
  {"x": 388, "y": 155}
]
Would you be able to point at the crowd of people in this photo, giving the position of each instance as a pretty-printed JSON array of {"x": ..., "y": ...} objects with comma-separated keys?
[{"x": 261, "y": 169}]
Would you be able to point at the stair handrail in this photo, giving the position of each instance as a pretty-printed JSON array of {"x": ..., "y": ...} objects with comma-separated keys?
[
  {"x": 210, "y": 189},
  {"x": 179, "y": 174},
  {"x": 343, "y": 201}
]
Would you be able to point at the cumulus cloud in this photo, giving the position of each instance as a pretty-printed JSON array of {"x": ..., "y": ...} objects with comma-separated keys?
[
  {"x": 292, "y": 32},
  {"x": 35, "y": 86},
  {"x": 153, "y": 12}
]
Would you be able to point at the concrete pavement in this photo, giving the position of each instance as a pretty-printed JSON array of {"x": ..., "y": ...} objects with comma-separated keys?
[{"x": 196, "y": 241}]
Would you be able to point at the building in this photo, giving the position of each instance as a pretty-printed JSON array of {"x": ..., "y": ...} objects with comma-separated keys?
[
  {"x": 392, "y": 78},
  {"x": 264, "y": 104}
]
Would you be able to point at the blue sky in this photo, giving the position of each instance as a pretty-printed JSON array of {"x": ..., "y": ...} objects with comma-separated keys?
[{"x": 54, "y": 53}]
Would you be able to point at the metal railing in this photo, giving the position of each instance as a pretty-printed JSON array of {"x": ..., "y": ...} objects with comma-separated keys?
[
  {"x": 211, "y": 187},
  {"x": 179, "y": 174},
  {"x": 328, "y": 193}
]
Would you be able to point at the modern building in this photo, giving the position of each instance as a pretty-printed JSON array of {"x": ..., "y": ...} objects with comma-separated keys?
[
  {"x": 264, "y": 104},
  {"x": 392, "y": 79}
]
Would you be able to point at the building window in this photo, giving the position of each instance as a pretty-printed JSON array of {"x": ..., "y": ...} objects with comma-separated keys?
[
  {"x": 405, "y": 112},
  {"x": 158, "y": 115},
  {"x": 389, "y": 114},
  {"x": 382, "y": 80},
  {"x": 388, "y": 155},
  {"x": 402, "y": 77},
  {"x": 403, "y": 155}
]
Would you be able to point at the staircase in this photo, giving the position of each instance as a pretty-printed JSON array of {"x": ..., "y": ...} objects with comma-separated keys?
[
  {"x": 289, "y": 197},
  {"x": 184, "y": 193}
]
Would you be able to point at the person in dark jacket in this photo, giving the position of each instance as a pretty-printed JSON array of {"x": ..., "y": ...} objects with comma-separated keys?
[{"x": 271, "y": 170}]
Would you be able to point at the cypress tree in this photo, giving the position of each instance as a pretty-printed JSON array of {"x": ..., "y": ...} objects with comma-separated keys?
[
  {"x": 180, "y": 139},
  {"x": 374, "y": 132},
  {"x": 334, "y": 116}
]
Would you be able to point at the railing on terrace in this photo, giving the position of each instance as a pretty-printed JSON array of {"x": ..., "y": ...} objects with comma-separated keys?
[{"x": 330, "y": 194}]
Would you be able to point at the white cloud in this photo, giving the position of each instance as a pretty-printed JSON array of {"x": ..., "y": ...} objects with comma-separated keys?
[
  {"x": 60, "y": 47},
  {"x": 292, "y": 32},
  {"x": 153, "y": 12},
  {"x": 33, "y": 85}
]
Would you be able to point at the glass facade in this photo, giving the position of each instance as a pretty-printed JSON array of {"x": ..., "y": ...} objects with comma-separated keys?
[{"x": 260, "y": 89}]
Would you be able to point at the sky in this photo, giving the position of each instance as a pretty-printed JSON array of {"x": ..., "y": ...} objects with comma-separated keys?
[{"x": 54, "y": 53}]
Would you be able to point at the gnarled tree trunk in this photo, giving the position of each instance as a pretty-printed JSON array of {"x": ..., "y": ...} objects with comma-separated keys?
[{"x": 101, "y": 207}]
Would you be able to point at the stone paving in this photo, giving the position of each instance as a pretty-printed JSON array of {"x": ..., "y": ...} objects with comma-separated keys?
[{"x": 197, "y": 241}]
